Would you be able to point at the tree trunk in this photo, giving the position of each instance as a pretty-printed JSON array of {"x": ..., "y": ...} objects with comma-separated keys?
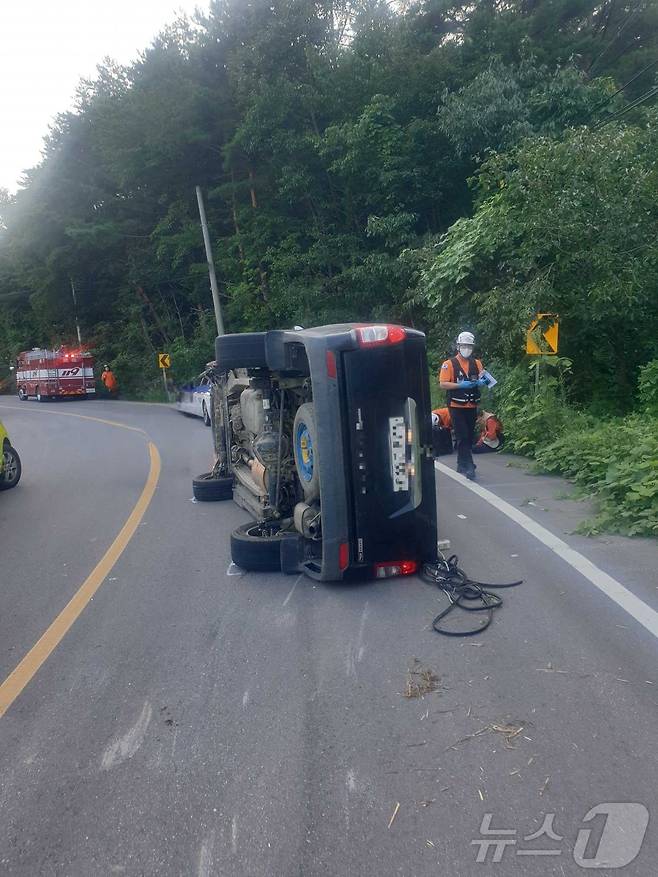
[
  {"x": 234, "y": 211},
  {"x": 252, "y": 190},
  {"x": 158, "y": 322}
]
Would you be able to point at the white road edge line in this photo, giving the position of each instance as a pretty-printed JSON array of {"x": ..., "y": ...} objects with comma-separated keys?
[{"x": 620, "y": 595}]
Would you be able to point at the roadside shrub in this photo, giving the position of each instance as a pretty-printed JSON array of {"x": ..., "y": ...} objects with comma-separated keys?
[
  {"x": 617, "y": 463},
  {"x": 615, "y": 460},
  {"x": 531, "y": 420}
]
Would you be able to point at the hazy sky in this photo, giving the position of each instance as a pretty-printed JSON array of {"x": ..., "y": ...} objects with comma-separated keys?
[{"x": 46, "y": 46}]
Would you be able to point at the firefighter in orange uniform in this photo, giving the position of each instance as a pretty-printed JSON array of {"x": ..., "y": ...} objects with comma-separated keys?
[
  {"x": 461, "y": 377},
  {"x": 109, "y": 380},
  {"x": 491, "y": 435},
  {"x": 441, "y": 432}
]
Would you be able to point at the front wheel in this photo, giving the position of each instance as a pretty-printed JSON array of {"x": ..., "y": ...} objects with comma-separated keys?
[
  {"x": 207, "y": 488},
  {"x": 22, "y": 395},
  {"x": 11, "y": 468},
  {"x": 241, "y": 350}
]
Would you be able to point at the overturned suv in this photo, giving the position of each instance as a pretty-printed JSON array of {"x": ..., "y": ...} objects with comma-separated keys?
[{"x": 324, "y": 436}]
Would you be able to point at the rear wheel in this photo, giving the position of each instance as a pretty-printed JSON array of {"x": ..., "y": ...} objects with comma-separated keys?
[
  {"x": 11, "y": 468},
  {"x": 243, "y": 350},
  {"x": 206, "y": 488},
  {"x": 257, "y": 546}
]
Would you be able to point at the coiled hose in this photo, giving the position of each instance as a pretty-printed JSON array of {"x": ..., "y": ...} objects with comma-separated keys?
[{"x": 462, "y": 592}]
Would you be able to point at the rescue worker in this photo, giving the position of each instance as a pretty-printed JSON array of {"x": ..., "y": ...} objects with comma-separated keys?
[
  {"x": 461, "y": 377},
  {"x": 442, "y": 432},
  {"x": 109, "y": 380},
  {"x": 491, "y": 436}
]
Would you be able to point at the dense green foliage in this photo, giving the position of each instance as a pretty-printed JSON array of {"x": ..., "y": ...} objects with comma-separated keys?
[
  {"x": 566, "y": 226},
  {"x": 444, "y": 164}
]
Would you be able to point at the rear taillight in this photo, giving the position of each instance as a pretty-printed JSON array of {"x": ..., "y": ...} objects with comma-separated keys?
[
  {"x": 331, "y": 364},
  {"x": 343, "y": 555},
  {"x": 378, "y": 336},
  {"x": 395, "y": 568}
]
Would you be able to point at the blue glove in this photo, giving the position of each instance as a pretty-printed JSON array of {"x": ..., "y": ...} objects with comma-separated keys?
[{"x": 467, "y": 385}]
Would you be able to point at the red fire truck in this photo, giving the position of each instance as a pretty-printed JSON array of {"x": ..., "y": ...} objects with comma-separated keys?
[{"x": 55, "y": 374}]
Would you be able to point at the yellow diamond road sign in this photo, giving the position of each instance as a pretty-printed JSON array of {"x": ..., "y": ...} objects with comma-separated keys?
[
  {"x": 164, "y": 360},
  {"x": 542, "y": 336}
]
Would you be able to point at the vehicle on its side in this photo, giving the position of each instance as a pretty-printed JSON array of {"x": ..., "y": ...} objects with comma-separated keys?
[
  {"x": 47, "y": 375},
  {"x": 10, "y": 462},
  {"x": 193, "y": 398},
  {"x": 324, "y": 436}
]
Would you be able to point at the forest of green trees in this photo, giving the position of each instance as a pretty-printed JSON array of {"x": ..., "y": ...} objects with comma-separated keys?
[{"x": 440, "y": 164}]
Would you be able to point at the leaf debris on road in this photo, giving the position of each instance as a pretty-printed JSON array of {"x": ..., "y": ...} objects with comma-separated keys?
[{"x": 420, "y": 681}]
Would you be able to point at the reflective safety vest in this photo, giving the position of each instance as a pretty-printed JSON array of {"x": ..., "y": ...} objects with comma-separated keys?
[{"x": 465, "y": 396}]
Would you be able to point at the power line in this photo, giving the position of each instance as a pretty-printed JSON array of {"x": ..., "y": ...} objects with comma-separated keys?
[
  {"x": 622, "y": 27},
  {"x": 624, "y": 110},
  {"x": 624, "y": 86}
]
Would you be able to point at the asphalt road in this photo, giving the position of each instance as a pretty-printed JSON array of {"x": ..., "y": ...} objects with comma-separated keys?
[{"x": 194, "y": 722}]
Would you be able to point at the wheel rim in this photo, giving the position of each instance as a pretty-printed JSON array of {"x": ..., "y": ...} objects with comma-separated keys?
[
  {"x": 264, "y": 531},
  {"x": 304, "y": 447},
  {"x": 9, "y": 466}
]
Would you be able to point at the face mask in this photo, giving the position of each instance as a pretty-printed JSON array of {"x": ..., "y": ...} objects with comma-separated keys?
[{"x": 465, "y": 351}]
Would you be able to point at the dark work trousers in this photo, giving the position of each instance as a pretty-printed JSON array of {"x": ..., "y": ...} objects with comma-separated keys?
[{"x": 463, "y": 423}]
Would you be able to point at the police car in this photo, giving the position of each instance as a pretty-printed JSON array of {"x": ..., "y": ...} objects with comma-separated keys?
[{"x": 193, "y": 398}]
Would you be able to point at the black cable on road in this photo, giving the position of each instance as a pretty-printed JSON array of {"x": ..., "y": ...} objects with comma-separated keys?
[{"x": 463, "y": 593}]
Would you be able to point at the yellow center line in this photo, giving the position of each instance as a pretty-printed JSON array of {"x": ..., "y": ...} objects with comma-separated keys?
[
  {"x": 71, "y": 414},
  {"x": 52, "y": 637}
]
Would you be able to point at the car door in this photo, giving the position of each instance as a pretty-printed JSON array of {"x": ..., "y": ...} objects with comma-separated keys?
[{"x": 202, "y": 395}]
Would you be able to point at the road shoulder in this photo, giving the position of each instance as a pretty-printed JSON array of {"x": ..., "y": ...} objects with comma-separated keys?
[{"x": 545, "y": 500}]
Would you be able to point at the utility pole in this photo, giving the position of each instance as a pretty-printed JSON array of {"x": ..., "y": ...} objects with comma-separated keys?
[
  {"x": 75, "y": 312},
  {"x": 211, "y": 264}
]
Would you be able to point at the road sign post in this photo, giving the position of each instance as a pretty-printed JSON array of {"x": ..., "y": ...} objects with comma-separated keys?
[{"x": 164, "y": 362}]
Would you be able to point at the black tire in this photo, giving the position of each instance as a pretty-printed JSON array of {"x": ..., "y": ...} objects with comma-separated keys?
[
  {"x": 308, "y": 466},
  {"x": 252, "y": 551},
  {"x": 206, "y": 415},
  {"x": 209, "y": 489},
  {"x": 22, "y": 394},
  {"x": 244, "y": 350},
  {"x": 11, "y": 463}
]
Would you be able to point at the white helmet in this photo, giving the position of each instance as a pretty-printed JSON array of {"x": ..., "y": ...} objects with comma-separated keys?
[{"x": 466, "y": 338}]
